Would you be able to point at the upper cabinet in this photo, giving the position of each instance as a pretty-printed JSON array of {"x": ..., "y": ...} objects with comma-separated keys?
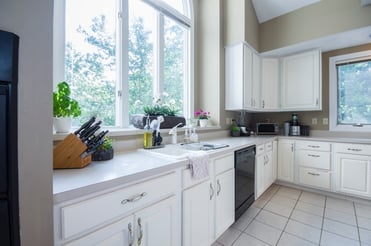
[
  {"x": 290, "y": 83},
  {"x": 301, "y": 82},
  {"x": 270, "y": 84},
  {"x": 242, "y": 81}
]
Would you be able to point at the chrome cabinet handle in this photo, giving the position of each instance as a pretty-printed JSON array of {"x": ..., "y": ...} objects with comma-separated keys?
[
  {"x": 263, "y": 104},
  {"x": 140, "y": 231},
  {"x": 134, "y": 198},
  {"x": 310, "y": 155},
  {"x": 317, "y": 102},
  {"x": 313, "y": 146},
  {"x": 356, "y": 150},
  {"x": 130, "y": 232},
  {"x": 211, "y": 191},
  {"x": 219, "y": 187},
  {"x": 314, "y": 174}
]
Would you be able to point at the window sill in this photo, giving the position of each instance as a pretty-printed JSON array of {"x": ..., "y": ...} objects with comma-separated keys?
[{"x": 118, "y": 132}]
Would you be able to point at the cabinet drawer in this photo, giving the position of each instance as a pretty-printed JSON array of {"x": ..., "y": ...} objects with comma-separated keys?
[
  {"x": 268, "y": 146},
  {"x": 314, "y": 177},
  {"x": 314, "y": 159},
  {"x": 358, "y": 149},
  {"x": 90, "y": 213},
  {"x": 188, "y": 181},
  {"x": 224, "y": 163},
  {"x": 260, "y": 149},
  {"x": 311, "y": 145}
]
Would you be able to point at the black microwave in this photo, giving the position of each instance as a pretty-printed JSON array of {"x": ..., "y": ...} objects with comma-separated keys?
[{"x": 267, "y": 129}]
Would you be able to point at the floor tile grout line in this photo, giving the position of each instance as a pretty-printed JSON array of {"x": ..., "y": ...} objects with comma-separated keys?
[
  {"x": 355, "y": 213},
  {"x": 323, "y": 220}
]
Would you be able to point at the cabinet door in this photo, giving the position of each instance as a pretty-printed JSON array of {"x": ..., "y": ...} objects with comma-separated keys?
[
  {"x": 301, "y": 81},
  {"x": 353, "y": 174},
  {"x": 197, "y": 214},
  {"x": 158, "y": 224},
  {"x": 248, "y": 79},
  {"x": 285, "y": 160},
  {"x": 234, "y": 77},
  {"x": 259, "y": 175},
  {"x": 224, "y": 205},
  {"x": 270, "y": 84},
  {"x": 268, "y": 170},
  {"x": 256, "y": 66},
  {"x": 118, "y": 233}
]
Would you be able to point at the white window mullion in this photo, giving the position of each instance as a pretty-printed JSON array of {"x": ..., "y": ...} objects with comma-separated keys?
[
  {"x": 59, "y": 42},
  {"x": 159, "y": 57},
  {"x": 123, "y": 74}
]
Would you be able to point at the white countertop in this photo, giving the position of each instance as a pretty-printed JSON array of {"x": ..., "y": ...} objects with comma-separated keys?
[{"x": 130, "y": 166}]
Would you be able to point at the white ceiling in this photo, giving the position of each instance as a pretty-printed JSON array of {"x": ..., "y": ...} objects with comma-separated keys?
[{"x": 269, "y": 9}]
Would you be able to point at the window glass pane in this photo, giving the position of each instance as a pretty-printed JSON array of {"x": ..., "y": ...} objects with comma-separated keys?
[
  {"x": 142, "y": 20},
  {"x": 179, "y": 5},
  {"x": 354, "y": 90},
  {"x": 175, "y": 69},
  {"x": 90, "y": 59}
]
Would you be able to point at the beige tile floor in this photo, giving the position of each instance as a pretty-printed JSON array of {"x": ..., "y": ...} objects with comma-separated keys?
[{"x": 287, "y": 216}]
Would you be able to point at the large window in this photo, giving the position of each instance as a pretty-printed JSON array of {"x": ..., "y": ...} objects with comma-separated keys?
[
  {"x": 350, "y": 90},
  {"x": 120, "y": 55}
]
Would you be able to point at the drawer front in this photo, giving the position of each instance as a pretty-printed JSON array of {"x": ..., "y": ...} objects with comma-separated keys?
[
  {"x": 188, "y": 181},
  {"x": 314, "y": 159},
  {"x": 260, "y": 149},
  {"x": 87, "y": 214},
  {"x": 269, "y": 146},
  {"x": 314, "y": 177},
  {"x": 224, "y": 163},
  {"x": 358, "y": 149},
  {"x": 311, "y": 145}
]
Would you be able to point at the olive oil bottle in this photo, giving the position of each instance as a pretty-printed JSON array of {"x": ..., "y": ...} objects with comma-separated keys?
[{"x": 147, "y": 137}]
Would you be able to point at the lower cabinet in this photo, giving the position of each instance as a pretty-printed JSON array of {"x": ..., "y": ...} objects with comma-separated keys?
[
  {"x": 285, "y": 165},
  {"x": 154, "y": 225},
  {"x": 265, "y": 168},
  {"x": 208, "y": 205}
]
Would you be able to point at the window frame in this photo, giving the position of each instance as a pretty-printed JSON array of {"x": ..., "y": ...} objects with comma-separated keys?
[
  {"x": 333, "y": 88},
  {"x": 122, "y": 111}
]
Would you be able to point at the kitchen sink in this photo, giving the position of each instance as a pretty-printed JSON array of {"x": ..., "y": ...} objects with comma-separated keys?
[{"x": 181, "y": 151}]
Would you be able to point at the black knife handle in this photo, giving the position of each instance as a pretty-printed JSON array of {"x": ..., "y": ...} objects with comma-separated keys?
[{"x": 85, "y": 125}]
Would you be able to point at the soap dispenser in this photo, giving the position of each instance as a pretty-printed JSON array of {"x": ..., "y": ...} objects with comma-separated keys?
[{"x": 147, "y": 141}]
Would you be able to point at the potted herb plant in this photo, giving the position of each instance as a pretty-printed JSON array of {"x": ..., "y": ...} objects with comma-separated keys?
[
  {"x": 105, "y": 151},
  {"x": 64, "y": 108}
]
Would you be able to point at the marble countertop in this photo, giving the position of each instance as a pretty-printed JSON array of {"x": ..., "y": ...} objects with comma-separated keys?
[{"x": 130, "y": 166}]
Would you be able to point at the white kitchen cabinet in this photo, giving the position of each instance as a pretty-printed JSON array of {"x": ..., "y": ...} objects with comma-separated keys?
[
  {"x": 270, "y": 84},
  {"x": 264, "y": 168},
  {"x": 353, "y": 169},
  {"x": 154, "y": 225},
  {"x": 242, "y": 78},
  {"x": 208, "y": 205},
  {"x": 301, "y": 82},
  {"x": 105, "y": 218},
  {"x": 285, "y": 165},
  {"x": 313, "y": 162}
]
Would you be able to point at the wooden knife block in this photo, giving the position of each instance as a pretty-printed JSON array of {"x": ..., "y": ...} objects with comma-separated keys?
[{"x": 67, "y": 153}]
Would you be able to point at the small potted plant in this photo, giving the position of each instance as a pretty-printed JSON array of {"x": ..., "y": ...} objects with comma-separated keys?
[
  {"x": 203, "y": 117},
  {"x": 64, "y": 108},
  {"x": 105, "y": 151}
]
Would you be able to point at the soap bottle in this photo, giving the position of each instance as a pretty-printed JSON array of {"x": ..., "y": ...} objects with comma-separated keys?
[
  {"x": 147, "y": 139},
  {"x": 194, "y": 136}
]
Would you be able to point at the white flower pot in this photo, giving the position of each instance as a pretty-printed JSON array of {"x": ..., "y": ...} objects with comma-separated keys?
[
  {"x": 62, "y": 124},
  {"x": 203, "y": 122}
]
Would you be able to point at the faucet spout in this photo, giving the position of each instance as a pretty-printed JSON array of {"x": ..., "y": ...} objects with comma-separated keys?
[{"x": 173, "y": 132}]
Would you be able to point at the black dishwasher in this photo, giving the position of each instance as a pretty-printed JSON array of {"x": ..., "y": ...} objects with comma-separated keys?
[{"x": 244, "y": 164}]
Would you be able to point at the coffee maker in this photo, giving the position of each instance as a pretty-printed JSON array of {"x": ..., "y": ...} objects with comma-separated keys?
[{"x": 294, "y": 125}]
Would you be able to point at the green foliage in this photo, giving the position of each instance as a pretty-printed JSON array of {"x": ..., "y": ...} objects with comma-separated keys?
[
  {"x": 107, "y": 144},
  {"x": 63, "y": 104}
]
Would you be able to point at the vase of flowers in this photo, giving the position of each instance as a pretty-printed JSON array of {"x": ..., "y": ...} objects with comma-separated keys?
[{"x": 203, "y": 117}]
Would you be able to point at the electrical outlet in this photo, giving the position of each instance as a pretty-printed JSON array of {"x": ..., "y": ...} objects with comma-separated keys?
[
  {"x": 314, "y": 121},
  {"x": 325, "y": 121}
]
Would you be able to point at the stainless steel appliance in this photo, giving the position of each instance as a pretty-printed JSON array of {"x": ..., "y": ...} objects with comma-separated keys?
[
  {"x": 267, "y": 129},
  {"x": 9, "y": 207},
  {"x": 244, "y": 179}
]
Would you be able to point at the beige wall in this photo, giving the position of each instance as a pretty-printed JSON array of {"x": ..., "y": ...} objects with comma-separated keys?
[
  {"x": 33, "y": 22},
  {"x": 315, "y": 21},
  {"x": 306, "y": 117}
]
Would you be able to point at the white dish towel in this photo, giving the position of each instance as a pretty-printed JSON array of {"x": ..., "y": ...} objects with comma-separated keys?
[{"x": 199, "y": 164}]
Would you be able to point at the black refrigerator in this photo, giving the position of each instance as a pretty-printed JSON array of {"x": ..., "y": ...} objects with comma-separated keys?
[{"x": 9, "y": 205}]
